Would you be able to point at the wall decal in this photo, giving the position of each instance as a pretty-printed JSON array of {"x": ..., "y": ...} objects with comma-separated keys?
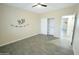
[{"x": 20, "y": 23}]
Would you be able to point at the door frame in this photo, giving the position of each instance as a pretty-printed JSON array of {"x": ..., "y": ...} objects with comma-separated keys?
[
  {"x": 73, "y": 27},
  {"x": 51, "y": 18}
]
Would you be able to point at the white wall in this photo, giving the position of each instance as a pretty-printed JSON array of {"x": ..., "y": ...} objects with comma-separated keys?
[{"x": 8, "y": 16}]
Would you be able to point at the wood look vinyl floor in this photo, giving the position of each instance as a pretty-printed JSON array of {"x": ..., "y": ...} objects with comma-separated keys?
[{"x": 36, "y": 45}]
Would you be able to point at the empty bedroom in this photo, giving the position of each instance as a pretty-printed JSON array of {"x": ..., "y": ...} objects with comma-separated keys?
[{"x": 39, "y": 28}]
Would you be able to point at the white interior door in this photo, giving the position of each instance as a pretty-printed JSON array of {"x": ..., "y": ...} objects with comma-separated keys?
[
  {"x": 76, "y": 37},
  {"x": 71, "y": 21},
  {"x": 51, "y": 26},
  {"x": 67, "y": 27}
]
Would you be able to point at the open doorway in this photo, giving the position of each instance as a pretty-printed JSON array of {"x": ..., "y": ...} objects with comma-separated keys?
[
  {"x": 50, "y": 26},
  {"x": 67, "y": 29}
]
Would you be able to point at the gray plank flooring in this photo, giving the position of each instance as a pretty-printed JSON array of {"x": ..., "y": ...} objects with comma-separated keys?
[{"x": 36, "y": 45}]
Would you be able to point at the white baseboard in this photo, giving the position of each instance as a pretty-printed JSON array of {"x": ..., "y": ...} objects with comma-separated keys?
[{"x": 16, "y": 40}]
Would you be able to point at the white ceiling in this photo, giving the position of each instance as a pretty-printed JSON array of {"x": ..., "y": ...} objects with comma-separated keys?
[{"x": 50, "y": 6}]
